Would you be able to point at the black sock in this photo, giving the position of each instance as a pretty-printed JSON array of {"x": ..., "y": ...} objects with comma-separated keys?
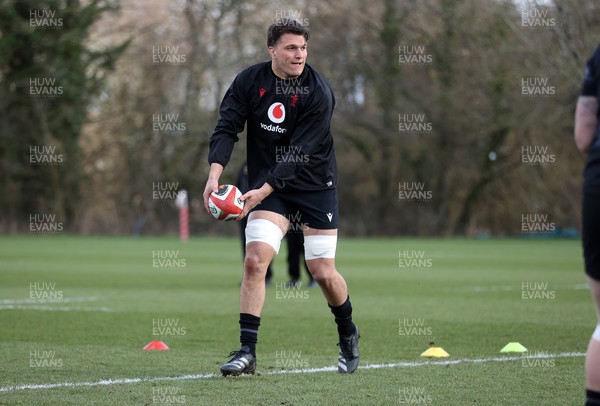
[
  {"x": 592, "y": 398},
  {"x": 249, "y": 331},
  {"x": 343, "y": 318}
]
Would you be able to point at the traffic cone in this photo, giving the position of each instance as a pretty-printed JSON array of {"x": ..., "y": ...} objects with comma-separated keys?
[
  {"x": 435, "y": 352},
  {"x": 513, "y": 347},
  {"x": 156, "y": 345}
]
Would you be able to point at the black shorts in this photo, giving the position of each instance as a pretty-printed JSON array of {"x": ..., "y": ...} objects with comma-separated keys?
[
  {"x": 590, "y": 216},
  {"x": 315, "y": 209}
]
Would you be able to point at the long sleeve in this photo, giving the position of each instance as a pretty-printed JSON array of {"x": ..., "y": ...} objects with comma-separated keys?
[{"x": 234, "y": 111}]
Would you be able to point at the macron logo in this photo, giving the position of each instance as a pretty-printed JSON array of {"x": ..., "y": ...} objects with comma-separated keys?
[{"x": 330, "y": 216}]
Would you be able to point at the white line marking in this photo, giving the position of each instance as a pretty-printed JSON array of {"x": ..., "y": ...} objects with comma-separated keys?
[
  {"x": 291, "y": 371},
  {"x": 55, "y": 308},
  {"x": 38, "y": 301},
  {"x": 37, "y": 304}
]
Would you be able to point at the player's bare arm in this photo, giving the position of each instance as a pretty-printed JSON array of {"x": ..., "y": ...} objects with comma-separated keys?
[{"x": 586, "y": 121}]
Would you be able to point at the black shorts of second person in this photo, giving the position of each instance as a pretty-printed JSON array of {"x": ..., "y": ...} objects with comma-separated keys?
[
  {"x": 591, "y": 231},
  {"x": 315, "y": 209}
]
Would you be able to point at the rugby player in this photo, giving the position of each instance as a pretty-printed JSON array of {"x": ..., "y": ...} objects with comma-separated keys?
[{"x": 287, "y": 107}]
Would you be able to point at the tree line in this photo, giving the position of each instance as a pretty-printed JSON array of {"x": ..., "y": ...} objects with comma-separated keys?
[{"x": 453, "y": 117}]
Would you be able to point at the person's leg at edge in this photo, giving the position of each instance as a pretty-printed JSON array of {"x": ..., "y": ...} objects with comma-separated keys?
[
  {"x": 592, "y": 359},
  {"x": 590, "y": 233}
]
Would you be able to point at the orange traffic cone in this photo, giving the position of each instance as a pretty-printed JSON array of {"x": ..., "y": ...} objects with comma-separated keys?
[{"x": 156, "y": 345}]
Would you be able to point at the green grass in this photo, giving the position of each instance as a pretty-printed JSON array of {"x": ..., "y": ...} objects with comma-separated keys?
[{"x": 467, "y": 295}]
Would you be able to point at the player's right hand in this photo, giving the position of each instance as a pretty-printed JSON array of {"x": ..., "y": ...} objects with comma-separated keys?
[{"x": 212, "y": 185}]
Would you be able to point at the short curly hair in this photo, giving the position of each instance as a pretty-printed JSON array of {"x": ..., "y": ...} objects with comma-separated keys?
[{"x": 285, "y": 26}]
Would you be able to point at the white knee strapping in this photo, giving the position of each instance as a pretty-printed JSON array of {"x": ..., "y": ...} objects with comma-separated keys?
[
  {"x": 264, "y": 231},
  {"x": 319, "y": 246},
  {"x": 596, "y": 335}
]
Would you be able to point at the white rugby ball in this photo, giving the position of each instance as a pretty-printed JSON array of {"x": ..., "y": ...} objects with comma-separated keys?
[{"x": 225, "y": 204}]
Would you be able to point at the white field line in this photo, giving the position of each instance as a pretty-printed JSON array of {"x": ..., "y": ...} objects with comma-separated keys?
[
  {"x": 49, "y": 304},
  {"x": 40, "y": 301},
  {"x": 55, "y": 308},
  {"x": 291, "y": 371}
]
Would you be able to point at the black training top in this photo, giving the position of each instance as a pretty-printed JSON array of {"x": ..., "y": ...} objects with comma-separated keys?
[
  {"x": 290, "y": 145},
  {"x": 591, "y": 87}
]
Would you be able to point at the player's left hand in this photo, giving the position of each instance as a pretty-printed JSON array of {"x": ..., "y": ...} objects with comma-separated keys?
[{"x": 253, "y": 197}]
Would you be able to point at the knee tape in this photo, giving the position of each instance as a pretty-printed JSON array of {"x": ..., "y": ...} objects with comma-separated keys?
[
  {"x": 596, "y": 335},
  {"x": 319, "y": 246},
  {"x": 262, "y": 230}
]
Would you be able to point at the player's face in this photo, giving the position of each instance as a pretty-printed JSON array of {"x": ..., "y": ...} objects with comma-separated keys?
[{"x": 288, "y": 56}]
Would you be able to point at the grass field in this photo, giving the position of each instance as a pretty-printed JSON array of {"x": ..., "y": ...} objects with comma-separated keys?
[{"x": 75, "y": 313}]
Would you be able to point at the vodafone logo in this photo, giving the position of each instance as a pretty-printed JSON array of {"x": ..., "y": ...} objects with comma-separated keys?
[{"x": 276, "y": 113}]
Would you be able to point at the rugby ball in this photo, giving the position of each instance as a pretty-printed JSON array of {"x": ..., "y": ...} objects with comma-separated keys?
[{"x": 225, "y": 204}]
